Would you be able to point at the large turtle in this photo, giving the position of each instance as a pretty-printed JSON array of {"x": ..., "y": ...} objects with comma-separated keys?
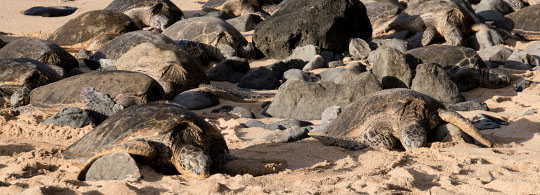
[
  {"x": 451, "y": 19},
  {"x": 157, "y": 14},
  {"x": 212, "y": 31},
  {"x": 526, "y": 22},
  {"x": 44, "y": 51},
  {"x": 463, "y": 65},
  {"x": 91, "y": 27},
  {"x": 169, "y": 138},
  {"x": 389, "y": 117}
]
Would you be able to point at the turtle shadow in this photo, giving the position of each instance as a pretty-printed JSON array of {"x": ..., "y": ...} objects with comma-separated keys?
[
  {"x": 11, "y": 149},
  {"x": 305, "y": 153},
  {"x": 147, "y": 189}
]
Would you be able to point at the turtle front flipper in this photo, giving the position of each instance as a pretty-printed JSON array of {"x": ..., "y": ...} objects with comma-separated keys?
[
  {"x": 465, "y": 125},
  {"x": 237, "y": 166},
  {"x": 138, "y": 147},
  {"x": 428, "y": 35}
]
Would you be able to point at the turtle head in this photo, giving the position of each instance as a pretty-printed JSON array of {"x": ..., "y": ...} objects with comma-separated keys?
[
  {"x": 157, "y": 18},
  {"x": 495, "y": 79},
  {"x": 191, "y": 161},
  {"x": 413, "y": 136}
]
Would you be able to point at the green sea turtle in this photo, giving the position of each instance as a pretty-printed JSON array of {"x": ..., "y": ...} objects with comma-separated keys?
[
  {"x": 463, "y": 65},
  {"x": 212, "y": 31},
  {"x": 21, "y": 72},
  {"x": 92, "y": 29},
  {"x": 169, "y": 138},
  {"x": 389, "y": 117},
  {"x": 157, "y": 14},
  {"x": 239, "y": 7},
  {"x": 525, "y": 22},
  {"x": 44, "y": 51},
  {"x": 451, "y": 19}
]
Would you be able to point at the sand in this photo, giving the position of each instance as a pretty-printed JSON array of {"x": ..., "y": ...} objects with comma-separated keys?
[{"x": 31, "y": 160}]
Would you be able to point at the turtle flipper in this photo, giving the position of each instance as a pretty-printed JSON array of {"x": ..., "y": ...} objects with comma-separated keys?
[
  {"x": 364, "y": 140},
  {"x": 428, "y": 35},
  {"x": 465, "y": 125},
  {"x": 252, "y": 167},
  {"x": 139, "y": 147}
]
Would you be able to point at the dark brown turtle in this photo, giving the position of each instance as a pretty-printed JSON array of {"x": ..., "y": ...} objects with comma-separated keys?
[
  {"x": 44, "y": 51},
  {"x": 212, "y": 31},
  {"x": 389, "y": 117},
  {"x": 125, "y": 88},
  {"x": 463, "y": 65},
  {"x": 169, "y": 138},
  {"x": 158, "y": 14},
  {"x": 238, "y": 7},
  {"x": 92, "y": 27},
  {"x": 21, "y": 72}
]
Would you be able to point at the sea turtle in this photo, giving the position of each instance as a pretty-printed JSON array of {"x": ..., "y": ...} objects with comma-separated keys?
[
  {"x": 91, "y": 27},
  {"x": 239, "y": 7},
  {"x": 157, "y": 14},
  {"x": 212, "y": 31},
  {"x": 388, "y": 117},
  {"x": 525, "y": 22},
  {"x": 169, "y": 138},
  {"x": 451, "y": 19},
  {"x": 463, "y": 65},
  {"x": 44, "y": 51}
]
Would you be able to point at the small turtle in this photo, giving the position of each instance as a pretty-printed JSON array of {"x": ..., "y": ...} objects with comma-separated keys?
[
  {"x": 44, "y": 51},
  {"x": 50, "y": 11},
  {"x": 212, "y": 31},
  {"x": 526, "y": 22},
  {"x": 169, "y": 138},
  {"x": 450, "y": 19},
  {"x": 388, "y": 117},
  {"x": 157, "y": 14},
  {"x": 463, "y": 65},
  {"x": 87, "y": 28}
]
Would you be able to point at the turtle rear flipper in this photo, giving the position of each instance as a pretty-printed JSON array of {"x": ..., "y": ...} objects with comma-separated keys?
[
  {"x": 465, "y": 125},
  {"x": 252, "y": 167},
  {"x": 138, "y": 147}
]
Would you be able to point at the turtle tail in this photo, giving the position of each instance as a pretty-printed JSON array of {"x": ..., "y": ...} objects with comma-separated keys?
[
  {"x": 232, "y": 165},
  {"x": 235, "y": 95},
  {"x": 465, "y": 125}
]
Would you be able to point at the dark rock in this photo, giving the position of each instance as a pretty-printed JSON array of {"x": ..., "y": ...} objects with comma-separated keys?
[
  {"x": 116, "y": 166},
  {"x": 380, "y": 12},
  {"x": 328, "y": 24},
  {"x": 71, "y": 116},
  {"x": 523, "y": 84},
  {"x": 211, "y": 5},
  {"x": 331, "y": 74},
  {"x": 431, "y": 80},
  {"x": 21, "y": 97},
  {"x": 50, "y": 11},
  {"x": 504, "y": 23},
  {"x": 295, "y": 74},
  {"x": 485, "y": 38},
  {"x": 335, "y": 64},
  {"x": 359, "y": 49},
  {"x": 349, "y": 75},
  {"x": 491, "y": 15},
  {"x": 484, "y": 121},
  {"x": 495, "y": 54},
  {"x": 260, "y": 78},
  {"x": 231, "y": 69},
  {"x": 398, "y": 44},
  {"x": 195, "y": 99},
  {"x": 327, "y": 55},
  {"x": 245, "y": 22},
  {"x": 225, "y": 109},
  {"x": 518, "y": 60},
  {"x": 99, "y": 102},
  {"x": 315, "y": 63},
  {"x": 288, "y": 135},
  {"x": 498, "y": 5},
  {"x": 243, "y": 112},
  {"x": 467, "y": 106},
  {"x": 274, "y": 126},
  {"x": 280, "y": 67},
  {"x": 288, "y": 123},
  {"x": 254, "y": 123},
  {"x": 392, "y": 68}
]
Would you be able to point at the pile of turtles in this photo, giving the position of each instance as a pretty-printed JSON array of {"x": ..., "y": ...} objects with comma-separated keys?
[{"x": 136, "y": 63}]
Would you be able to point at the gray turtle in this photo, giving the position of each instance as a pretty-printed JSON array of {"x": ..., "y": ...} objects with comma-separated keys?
[
  {"x": 169, "y": 138},
  {"x": 239, "y": 7},
  {"x": 125, "y": 88},
  {"x": 44, "y": 51},
  {"x": 526, "y": 22},
  {"x": 212, "y": 31},
  {"x": 389, "y": 117},
  {"x": 451, "y": 19},
  {"x": 157, "y": 14},
  {"x": 463, "y": 65},
  {"x": 83, "y": 30}
]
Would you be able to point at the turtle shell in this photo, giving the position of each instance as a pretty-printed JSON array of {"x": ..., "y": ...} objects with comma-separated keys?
[
  {"x": 22, "y": 72},
  {"x": 447, "y": 56},
  {"x": 147, "y": 121},
  {"x": 35, "y": 49},
  {"x": 91, "y": 24},
  {"x": 169, "y": 8},
  {"x": 207, "y": 30},
  {"x": 526, "y": 22},
  {"x": 387, "y": 106},
  {"x": 123, "y": 43}
]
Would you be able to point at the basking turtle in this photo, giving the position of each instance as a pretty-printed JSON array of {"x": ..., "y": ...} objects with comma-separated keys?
[
  {"x": 450, "y": 19},
  {"x": 82, "y": 31},
  {"x": 169, "y": 138},
  {"x": 212, "y": 31},
  {"x": 44, "y": 51},
  {"x": 526, "y": 22},
  {"x": 463, "y": 65},
  {"x": 21, "y": 72},
  {"x": 157, "y": 14},
  {"x": 238, "y": 7},
  {"x": 388, "y": 117}
]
